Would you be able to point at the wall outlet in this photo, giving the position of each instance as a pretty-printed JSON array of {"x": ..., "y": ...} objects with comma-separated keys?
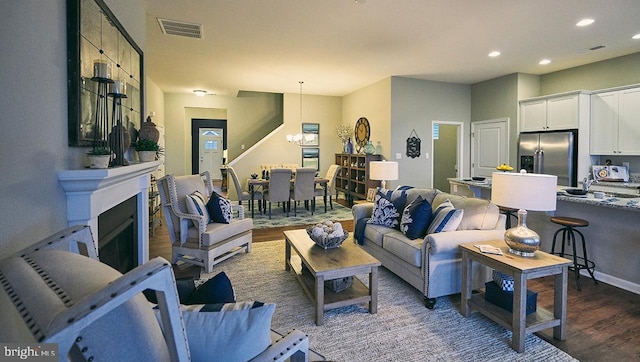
[
  {"x": 398, "y": 156},
  {"x": 426, "y": 155},
  {"x": 242, "y": 147}
]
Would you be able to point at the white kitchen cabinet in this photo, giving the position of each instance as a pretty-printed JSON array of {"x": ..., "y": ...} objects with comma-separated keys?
[
  {"x": 558, "y": 112},
  {"x": 615, "y": 122},
  {"x": 533, "y": 115}
]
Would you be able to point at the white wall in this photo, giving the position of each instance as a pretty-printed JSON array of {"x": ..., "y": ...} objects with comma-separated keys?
[
  {"x": 33, "y": 100},
  {"x": 374, "y": 103},
  {"x": 244, "y": 113}
]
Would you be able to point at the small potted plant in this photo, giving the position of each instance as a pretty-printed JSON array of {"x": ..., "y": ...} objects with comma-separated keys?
[
  {"x": 147, "y": 149},
  {"x": 99, "y": 157}
]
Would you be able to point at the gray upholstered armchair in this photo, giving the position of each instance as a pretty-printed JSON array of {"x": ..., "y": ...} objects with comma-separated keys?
[
  {"x": 52, "y": 294},
  {"x": 208, "y": 243}
]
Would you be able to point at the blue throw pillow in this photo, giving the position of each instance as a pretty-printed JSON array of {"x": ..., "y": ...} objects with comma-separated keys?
[
  {"x": 215, "y": 290},
  {"x": 219, "y": 209},
  {"x": 445, "y": 218},
  {"x": 185, "y": 287},
  {"x": 416, "y": 218},
  {"x": 387, "y": 212}
]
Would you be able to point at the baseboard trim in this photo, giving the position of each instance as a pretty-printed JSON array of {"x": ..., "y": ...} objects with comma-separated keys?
[{"x": 615, "y": 281}]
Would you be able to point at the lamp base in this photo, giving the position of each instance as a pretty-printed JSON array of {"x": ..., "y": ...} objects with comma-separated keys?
[{"x": 521, "y": 240}]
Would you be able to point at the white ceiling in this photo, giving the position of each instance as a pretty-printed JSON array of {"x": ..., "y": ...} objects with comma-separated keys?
[{"x": 339, "y": 46}]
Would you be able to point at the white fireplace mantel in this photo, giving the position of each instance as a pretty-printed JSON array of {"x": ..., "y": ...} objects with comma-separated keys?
[{"x": 90, "y": 192}]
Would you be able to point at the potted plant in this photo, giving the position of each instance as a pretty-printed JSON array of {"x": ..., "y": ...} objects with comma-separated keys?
[
  {"x": 99, "y": 157},
  {"x": 147, "y": 149}
]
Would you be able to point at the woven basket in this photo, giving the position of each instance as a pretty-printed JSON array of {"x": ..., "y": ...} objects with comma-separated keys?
[{"x": 327, "y": 243}]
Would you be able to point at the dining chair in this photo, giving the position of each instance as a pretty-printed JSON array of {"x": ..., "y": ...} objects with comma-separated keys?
[
  {"x": 303, "y": 188},
  {"x": 278, "y": 190},
  {"x": 332, "y": 172},
  {"x": 242, "y": 194}
]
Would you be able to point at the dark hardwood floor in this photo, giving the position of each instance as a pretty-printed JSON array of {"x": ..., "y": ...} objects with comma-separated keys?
[{"x": 603, "y": 322}]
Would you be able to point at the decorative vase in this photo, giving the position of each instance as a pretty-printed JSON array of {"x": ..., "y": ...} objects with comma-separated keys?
[
  {"x": 147, "y": 156},
  {"x": 99, "y": 161},
  {"x": 348, "y": 148},
  {"x": 148, "y": 130},
  {"x": 369, "y": 148}
]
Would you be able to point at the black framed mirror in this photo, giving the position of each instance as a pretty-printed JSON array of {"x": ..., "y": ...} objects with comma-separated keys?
[{"x": 94, "y": 35}]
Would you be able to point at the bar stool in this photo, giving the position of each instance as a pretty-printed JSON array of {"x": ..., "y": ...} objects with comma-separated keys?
[
  {"x": 509, "y": 212},
  {"x": 568, "y": 235}
]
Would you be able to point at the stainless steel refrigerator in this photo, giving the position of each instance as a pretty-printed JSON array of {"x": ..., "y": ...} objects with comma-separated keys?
[{"x": 552, "y": 153}]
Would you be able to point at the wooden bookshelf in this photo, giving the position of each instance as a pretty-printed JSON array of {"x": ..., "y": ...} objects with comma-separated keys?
[{"x": 353, "y": 177}]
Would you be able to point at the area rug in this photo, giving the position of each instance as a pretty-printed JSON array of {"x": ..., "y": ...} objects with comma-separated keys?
[
  {"x": 402, "y": 330},
  {"x": 304, "y": 217}
]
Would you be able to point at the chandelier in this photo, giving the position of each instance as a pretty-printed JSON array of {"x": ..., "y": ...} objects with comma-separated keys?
[{"x": 300, "y": 139}]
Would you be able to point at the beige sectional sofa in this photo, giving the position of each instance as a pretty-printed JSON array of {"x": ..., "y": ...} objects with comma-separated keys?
[{"x": 431, "y": 264}]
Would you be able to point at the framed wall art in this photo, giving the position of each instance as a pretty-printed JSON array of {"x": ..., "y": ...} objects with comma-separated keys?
[
  {"x": 98, "y": 46},
  {"x": 311, "y": 158},
  {"x": 311, "y": 134}
]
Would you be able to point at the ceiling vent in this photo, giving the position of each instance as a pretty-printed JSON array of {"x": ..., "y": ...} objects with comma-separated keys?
[
  {"x": 180, "y": 28},
  {"x": 586, "y": 50}
]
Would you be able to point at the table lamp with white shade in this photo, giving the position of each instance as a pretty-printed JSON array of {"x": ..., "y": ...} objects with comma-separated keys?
[
  {"x": 523, "y": 191},
  {"x": 383, "y": 171}
]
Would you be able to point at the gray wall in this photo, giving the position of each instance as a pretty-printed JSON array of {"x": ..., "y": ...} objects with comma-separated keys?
[
  {"x": 601, "y": 75},
  {"x": 414, "y": 105},
  {"x": 498, "y": 98},
  {"x": 33, "y": 99}
]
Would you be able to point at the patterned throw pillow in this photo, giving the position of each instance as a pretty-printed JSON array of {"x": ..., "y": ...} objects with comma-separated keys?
[
  {"x": 445, "y": 218},
  {"x": 197, "y": 204},
  {"x": 219, "y": 209},
  {"x": 416, "y": 218},
  {"x": 387, "y": 212}
]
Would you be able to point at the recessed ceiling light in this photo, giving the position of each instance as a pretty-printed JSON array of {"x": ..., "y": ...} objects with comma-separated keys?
[
  {"x": 494, "y": 54},
  {"x": 637, "y": 36},
  {"x": 200, "y": 92},
  {"x": 544, "y": 62},
  {"x": 585, "y": 22}
]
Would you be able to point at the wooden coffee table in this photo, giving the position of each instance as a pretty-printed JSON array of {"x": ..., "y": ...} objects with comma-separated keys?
[
  {"x": 521, "y": 269},
  {"x": 345, "y": 261}
]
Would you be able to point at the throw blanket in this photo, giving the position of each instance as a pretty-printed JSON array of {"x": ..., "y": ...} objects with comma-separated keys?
[{"x": 358, "y": 232}]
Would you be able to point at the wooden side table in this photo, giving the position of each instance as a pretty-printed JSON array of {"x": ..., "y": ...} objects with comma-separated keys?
[{"x": 521, "y": 269}]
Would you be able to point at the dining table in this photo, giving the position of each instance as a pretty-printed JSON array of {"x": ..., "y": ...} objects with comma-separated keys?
[{"x": 255, "y": 183}]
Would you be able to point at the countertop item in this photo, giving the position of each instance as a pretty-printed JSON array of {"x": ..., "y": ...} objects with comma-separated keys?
[
  {"x": 613, "y": 200},
  {"x": 610, "y": 173}
]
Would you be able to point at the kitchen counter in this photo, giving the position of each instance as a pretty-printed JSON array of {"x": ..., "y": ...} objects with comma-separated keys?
[
  {"x": 617, "y": 199},
  {"x": 613, "y": 234}
]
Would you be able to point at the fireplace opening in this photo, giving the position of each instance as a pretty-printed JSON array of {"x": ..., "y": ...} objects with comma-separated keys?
[{"x": 118, "y": 236}]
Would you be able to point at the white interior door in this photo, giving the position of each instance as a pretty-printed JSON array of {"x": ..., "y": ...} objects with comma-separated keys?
[
  {"x": 211, "y": 143},
  {"x": 489, "y": 146}
]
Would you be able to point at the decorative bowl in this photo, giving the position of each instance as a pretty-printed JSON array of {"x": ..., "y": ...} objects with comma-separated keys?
[
  {"x": 478, "y": 178},
  {"x": 576, "y": 191},
  {"x": 327, "y": 242}
]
